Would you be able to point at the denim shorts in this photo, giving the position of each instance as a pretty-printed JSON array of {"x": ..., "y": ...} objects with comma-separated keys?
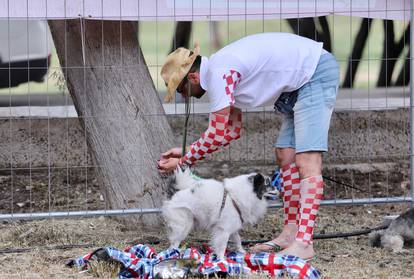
[{"x": 305, "y": 127}]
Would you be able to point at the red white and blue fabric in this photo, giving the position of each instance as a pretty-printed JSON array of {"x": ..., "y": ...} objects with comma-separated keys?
[
  {"x": 222, "y": 129},
  {"x": 139, "y": 261}
]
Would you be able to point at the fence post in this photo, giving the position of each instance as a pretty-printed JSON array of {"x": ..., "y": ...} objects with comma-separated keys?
[{"x": 412, "y": 101}]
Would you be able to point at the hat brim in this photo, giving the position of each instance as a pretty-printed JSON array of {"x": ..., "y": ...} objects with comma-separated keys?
[{"x": 177, "y": 77}]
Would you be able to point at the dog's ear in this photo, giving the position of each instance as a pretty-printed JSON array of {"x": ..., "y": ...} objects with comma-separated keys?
[{"x": 259, "y": 186}]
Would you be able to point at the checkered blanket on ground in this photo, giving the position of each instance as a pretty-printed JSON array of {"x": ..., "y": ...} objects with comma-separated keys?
[{"x": 139, "y": 261}]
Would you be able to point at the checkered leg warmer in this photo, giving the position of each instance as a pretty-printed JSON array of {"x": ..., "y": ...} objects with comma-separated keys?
[
  {"x": 291, "y": 193},
  {"x": 311, "y": 194}
]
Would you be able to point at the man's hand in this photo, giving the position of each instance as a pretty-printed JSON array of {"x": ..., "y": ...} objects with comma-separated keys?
[
  {"x": 168, "y": 165},
  {"x": 172, "y": 153}
]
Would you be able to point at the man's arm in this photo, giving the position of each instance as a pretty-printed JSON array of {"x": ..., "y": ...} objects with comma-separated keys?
[
  {"x": 235, "y": 125},
  {"x": 211, "y": 139},
  {"x": 224, "y": 127}
]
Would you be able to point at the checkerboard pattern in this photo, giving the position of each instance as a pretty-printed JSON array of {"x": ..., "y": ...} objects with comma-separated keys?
[
  {"x": 311, "y": 194},
  {"x": 291, "y": 193},
  {"x": 222, "y": 129},
  {"x": 232, "y": 79},
  {"x": 209, "y": 141},
  {"x": 235, "y": 125}
]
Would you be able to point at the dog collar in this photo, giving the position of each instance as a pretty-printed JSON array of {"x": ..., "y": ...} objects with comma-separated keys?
[{"x": 192, "y": 175}]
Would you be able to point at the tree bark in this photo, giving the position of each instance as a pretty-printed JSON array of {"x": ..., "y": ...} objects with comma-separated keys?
[
  {"x": 404, "y": 40},
  {"x": 404, "y": 75},
  {"x": 354, "y": 59},
  {"x": 388, "y": 55},
  {"x": 326, "y": 33},
  {"x": 304, "y": 27},
  {"x": 126, "y": 127},
  {"x": 182, "y": 35},
  {"x": 391, "y": 52},
  {"x": 403, "y": 78}
]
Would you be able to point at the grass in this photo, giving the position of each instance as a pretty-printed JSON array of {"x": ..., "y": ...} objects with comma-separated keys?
[
  {"x": 336, "y": 258},
  {"x": 156, "y": 38}
]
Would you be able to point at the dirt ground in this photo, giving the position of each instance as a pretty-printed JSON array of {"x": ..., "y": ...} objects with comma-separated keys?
[
  {"x": 79, "y": 190},
  {"x": 337, "y": 258}
]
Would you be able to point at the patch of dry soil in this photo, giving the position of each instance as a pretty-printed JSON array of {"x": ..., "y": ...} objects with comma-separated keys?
[{"x": 336, "y": 258}]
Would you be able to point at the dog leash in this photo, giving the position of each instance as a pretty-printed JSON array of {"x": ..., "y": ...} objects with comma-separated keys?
[
  {"x": 187, "y": 116},
  {"x": 238, "y": 210},
  {"x": 331, "y": 235},
  {"x": 223, "y": 202},
  {"x": 343, "y": 184},
  {"x": 276, "y": 182}
]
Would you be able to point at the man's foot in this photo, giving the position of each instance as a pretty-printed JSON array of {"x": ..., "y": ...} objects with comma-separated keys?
[
  {"x": 284, "y": 240},
  {"x": 299, "y": 249}
]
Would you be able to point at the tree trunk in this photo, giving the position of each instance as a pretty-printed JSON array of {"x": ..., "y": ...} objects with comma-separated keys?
[
  {"x": 404, "y": 40},
  {"x": 125, "y": 124},
  {"x": 403, "y": 78},
  {"x": 326, "y": 33},
  {"x": 404, "y": 75},
  {"x": 182, "y": 35},
  {"x": 388, "y": 55},
  {"x": 306, "y": 27},
  {"x": 356, "y": 54}
]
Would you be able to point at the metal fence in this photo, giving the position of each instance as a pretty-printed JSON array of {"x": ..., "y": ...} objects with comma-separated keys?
[{"x": 47, "y": 170}]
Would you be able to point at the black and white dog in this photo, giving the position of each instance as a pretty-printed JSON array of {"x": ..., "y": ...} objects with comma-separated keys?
[
  {"x": 220, "y": 207},
  {"x": 398, "y": 235}
]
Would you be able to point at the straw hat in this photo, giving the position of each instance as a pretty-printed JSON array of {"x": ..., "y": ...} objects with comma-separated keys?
[{"x": 176, "y": 67}]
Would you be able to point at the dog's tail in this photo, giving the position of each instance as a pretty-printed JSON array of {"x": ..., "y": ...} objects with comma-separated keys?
[{"x": 184, "y": 179}]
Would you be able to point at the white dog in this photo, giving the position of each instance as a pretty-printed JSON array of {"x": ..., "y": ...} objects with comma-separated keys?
[{"x": 221, "y": 207}]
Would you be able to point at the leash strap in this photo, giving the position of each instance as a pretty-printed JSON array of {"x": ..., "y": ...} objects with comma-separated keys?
[
  {"x": 276, "y": 182},
  {"x": 223, "y": 202},
  {"x": 187, "y": 115},
  {"x": 238, "y": 210},
  {"x": 343, "y": 184}
]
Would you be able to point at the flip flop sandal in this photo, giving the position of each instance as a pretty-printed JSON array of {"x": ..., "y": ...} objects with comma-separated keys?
[{"x": 273, "y": 247}]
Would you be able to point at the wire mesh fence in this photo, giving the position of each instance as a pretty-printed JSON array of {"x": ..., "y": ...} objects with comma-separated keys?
[{"x": 52, "y": 164}]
